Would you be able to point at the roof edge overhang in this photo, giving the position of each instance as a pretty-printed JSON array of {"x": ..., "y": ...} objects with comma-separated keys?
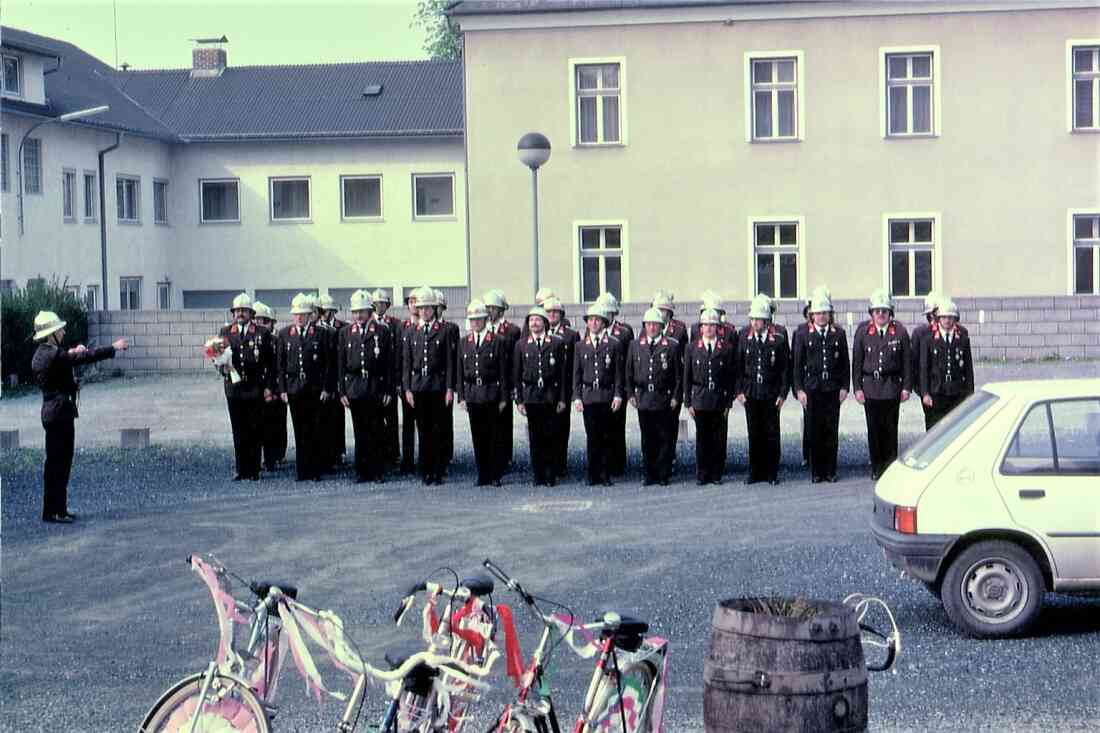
[
  {"x": 30, "y": 48},
  {"x": 312, "y": 136},
  {"x": 96, "y": 127}
]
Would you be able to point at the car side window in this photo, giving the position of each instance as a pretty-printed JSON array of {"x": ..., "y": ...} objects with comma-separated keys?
[
  {"x": 1032, "y": 449},
  {"x": 1077, "y": 436}
]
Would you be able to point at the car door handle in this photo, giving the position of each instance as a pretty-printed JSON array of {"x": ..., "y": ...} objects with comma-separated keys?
[{"x": 1032, "y": 493}]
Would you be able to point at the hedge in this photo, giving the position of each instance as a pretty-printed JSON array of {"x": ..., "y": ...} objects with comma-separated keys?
[{"x": 18, "y": 309}]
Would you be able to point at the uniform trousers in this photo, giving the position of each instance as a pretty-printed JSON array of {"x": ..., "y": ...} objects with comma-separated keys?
[
  {"x": 392, "y": 433},
  {"x": 274, "y": 432},
  {"x": 408, "y": 436},
  {"x": 805, "y": 438},
  {"x": 823, "y": 416},
  {"x": 335, "y": 443},
  {"x": 762, "y": 423},
  {"x": 245, "y": 416},
  {"x": 599, "y": 424},
  {"x": 60, "y": 439},
  {"x": 540, "y": 437},
  {"x": 658, "y": 428},
  {"x": 941, "y": 405},
  {"x": 305, "y": 416},
  {"x": 882, "y": 432},
  {"x": 449, "y": 434},
  {"x": 710, "y": 449},
  {"x": 431, "y": 418},
  {"x": 505, "y": 437},
  {"x": 368, "y": 424},
  {"x": 485, "y": 421},
  {"x": 616, "y": 461},
  {"x": 562, "y": 426},
  {"x": 927, "y": 415}
]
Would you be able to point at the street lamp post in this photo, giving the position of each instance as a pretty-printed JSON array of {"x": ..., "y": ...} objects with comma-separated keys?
[
  {"x": 534, "y": 150},
  {"x": 67, "y": 117}
]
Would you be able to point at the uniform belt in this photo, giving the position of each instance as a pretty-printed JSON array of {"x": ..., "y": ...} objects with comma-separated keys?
[
  {"x": 879, "y": 374},
  {"x": 481, "y": 382}
]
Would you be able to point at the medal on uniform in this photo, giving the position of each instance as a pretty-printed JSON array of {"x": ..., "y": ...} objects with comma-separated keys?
[
  {"x": 773, "y": 358},
  {"x": 607, "y": 360},
  {"x": 376, "y": 351},
  {"x": 256, "y": 353},
  {"x": 552, "y": 362}
]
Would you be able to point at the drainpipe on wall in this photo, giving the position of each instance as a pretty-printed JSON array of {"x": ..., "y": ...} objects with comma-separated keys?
[
  {"x": 103, "y": 218},
  {"x": 466, "y": 182}
]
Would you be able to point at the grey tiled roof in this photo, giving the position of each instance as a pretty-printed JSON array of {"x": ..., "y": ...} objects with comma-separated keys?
[
  {"x": 418, "y": 98},
  {"x": 513, "y": 7}
]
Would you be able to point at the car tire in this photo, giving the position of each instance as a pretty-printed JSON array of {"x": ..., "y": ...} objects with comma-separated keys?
[{"x": 993, "y": 589}]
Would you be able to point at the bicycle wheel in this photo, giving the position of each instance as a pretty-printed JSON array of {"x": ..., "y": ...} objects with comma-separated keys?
[
  {"x": 637, "y": 686},
  {"x": 230, "y": 707}
]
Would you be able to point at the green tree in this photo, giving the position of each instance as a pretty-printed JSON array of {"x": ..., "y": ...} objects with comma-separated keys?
[{"x": 442, "y": 39}]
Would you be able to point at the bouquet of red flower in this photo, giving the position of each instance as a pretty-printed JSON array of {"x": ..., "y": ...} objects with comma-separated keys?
[{"x": 218, "y": 351}]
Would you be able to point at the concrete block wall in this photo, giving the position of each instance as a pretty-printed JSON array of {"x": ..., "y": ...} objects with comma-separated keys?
[{"x": 1012, "y": 329}]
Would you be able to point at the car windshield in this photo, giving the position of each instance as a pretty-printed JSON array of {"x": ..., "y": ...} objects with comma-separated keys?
[{"x": 936, "y": 440}]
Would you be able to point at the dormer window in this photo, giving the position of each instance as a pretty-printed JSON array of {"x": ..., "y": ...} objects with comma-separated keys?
[{"x": 13, "y": 75}]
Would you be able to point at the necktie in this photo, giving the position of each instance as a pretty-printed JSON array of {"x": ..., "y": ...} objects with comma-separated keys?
[
  {"x": 710, "y": 349},
  {"x": 479, "y": 339}
]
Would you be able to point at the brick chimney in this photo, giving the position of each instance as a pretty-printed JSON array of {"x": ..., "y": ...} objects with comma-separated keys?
[{"x": 208, "y": 58}]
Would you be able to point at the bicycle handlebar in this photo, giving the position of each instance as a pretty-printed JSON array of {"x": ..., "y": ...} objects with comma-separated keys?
[{"x": 511, "y": 583}]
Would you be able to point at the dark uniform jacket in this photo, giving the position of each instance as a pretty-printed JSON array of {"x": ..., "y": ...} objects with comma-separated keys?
[
  {"x": 429, "y": 361},
  {"x": 508, "y": 330},
  {"x": 402, "y": 336},
  {"x": 947, "y": 369},
  {"x": 569, "y": 338},
  {"x": 538, "y": 375},
  {"x": 253, "y": 350},
  {"x": 917, "y": 340},
  {"x": 364, "y": 361},
  {"x": 675, "y": 329},
  {"x": 621, "y": 331},
  {"x": 305, "y": 363},
  {"x": 821, "y": 363},
  {"x": 710, "y": 379},
  {"x": 484, "y": 374},
  {"x": 654, "y": 372},
  {"x": 598, "y": 374},
  {"x": 762, "y": 368},
  {"x": 53, "y": 372},
  {"x": 881, "y": 364}
]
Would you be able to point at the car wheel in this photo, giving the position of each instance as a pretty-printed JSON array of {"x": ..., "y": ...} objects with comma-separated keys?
[{"x": 993, "y": 589}]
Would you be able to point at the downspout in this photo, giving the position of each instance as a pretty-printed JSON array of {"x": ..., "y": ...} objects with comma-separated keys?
[
  {"x": 103, "y": 217},
  {"x": 466, "y": 176}
]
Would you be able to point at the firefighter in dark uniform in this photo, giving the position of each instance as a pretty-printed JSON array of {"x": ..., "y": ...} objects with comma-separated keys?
[
  {"x": 453, "y": 336},
  {"x": 946, "y": 364},
  {"x": 540, "y": 391},
  {"x": 881, "y": 378},
  {"x": 762, "y": 386},
  {"x": 249, "y": 380},
  {"x": 624, "y": 333},
  {"x": 555, "y": 311},
  {"x": 484, "y": 383},
  {"x": 712, "y": 301},
  {"x": 408, "y": 412},
  {"x": 598, "y": 390},
  {"x": 665, "y": 303},
  {"x": 364, "y": 379},
  {"x": 800, "y": 333},
  {"x": 306, "y": 378},
  {"x": 333, "y": 419},
  {"x": 917, "y": 341},
  {"x": 495, "y": 305},
  {"x": 709, "y": 382},
  {"x": 53, "y": 366},
  {"x": 382, "y": 302},
  {"x": 274, "y": 409},
  {"x": 430, "y": 380},
  {"x": 543, "y": 295},
  {"x": 822, "y": 376},
  {"x": 654, "y": 385}
]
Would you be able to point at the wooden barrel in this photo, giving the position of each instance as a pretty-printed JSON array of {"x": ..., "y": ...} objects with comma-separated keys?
[{"x": 773, "y": 673}]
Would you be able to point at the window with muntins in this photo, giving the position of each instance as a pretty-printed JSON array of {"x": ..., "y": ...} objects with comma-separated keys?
[
  {"x": 1086, "y": 87},
  {"x": 1086, "y": 254},
  {"x": 68, "y": 195},
  {"x": 32, "y": 165},
  {"x": 128, "y": 198},
  {"x": 13, "y": 75},
  {"x": 90, "y": 193},
  {"x": 598, "y": 107},
  {"x": 910, "y": 252},
  {"x": 130, "y": 293},
  {"x": 909, "y": 98},
  {"x": 219, "y": 201},
  {"x": 4, "y": 161},
  {"x": 776, "y": 249},
  {"x": 601, "y": 256},
  {"x": 775, "y": 99}
]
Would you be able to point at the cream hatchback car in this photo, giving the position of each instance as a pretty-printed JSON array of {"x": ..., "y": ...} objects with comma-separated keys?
[{"x": 1000, "y": 503}]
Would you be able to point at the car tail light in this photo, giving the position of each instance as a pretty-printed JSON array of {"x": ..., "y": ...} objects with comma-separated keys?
[{"x": 905, "y": 519}]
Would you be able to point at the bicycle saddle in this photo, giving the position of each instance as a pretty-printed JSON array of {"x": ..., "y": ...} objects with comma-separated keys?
[
  {"x": 479, "y": 585},
  {"x": 628, "y": 625},
  {"x": 262, "y": 587}
]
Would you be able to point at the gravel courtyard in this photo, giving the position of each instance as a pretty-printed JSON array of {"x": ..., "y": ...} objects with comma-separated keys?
[{"x": 100, "y": 617}]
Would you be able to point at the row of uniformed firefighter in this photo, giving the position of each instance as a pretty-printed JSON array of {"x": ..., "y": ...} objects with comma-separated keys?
[{"x": 320, "y": 365}]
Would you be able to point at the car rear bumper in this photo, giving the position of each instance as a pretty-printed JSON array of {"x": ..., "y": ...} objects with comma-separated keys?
[{"x": 919, "y": 555}]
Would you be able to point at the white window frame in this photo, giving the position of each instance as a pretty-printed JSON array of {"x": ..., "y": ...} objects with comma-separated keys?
[
  {"x": 70, "y": 217},
  {"x": 1070, "y": 260},
  {"x": 74, "y": 289},
  {"x": 19, "y": 63},
  {"x": 234, "y": 181},
  {"x": 381, "y": 197},
  {"x": 137, "y": 198},
  {"x": 799, "y": 57},
  {"x": 800, "y": 250},
  {"x": 624, "y": 248},
  {"x": 937, "y": 250},
  {"x": 164, "y": 182},
  {"x": 165, "y": 288},
  {"x": 937, "y": 91},
  {"x": 454, "y": 198},
  {"x": 40, "y": 163},
  {"x": 1070, "y": 117},
  {"x": 140, "y": 287},
  {"x": 574, "y": 109},
  {"x": 92, "y": 202},
  {"x": 91, "y": 292},
  {"x": 271, "y": 181}
]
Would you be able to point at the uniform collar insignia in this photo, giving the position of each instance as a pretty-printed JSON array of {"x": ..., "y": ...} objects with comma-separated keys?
[
  {"x": 488, "y": 336},
  {"x": 355, "y": 328},
  {"x": 293, "y": 330},
  {"x": 436, "y": 326},
  {"x": 664, "y": 342},
  {"x": 235, "y": 329},
  {"x": 644, "y": 340}
]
